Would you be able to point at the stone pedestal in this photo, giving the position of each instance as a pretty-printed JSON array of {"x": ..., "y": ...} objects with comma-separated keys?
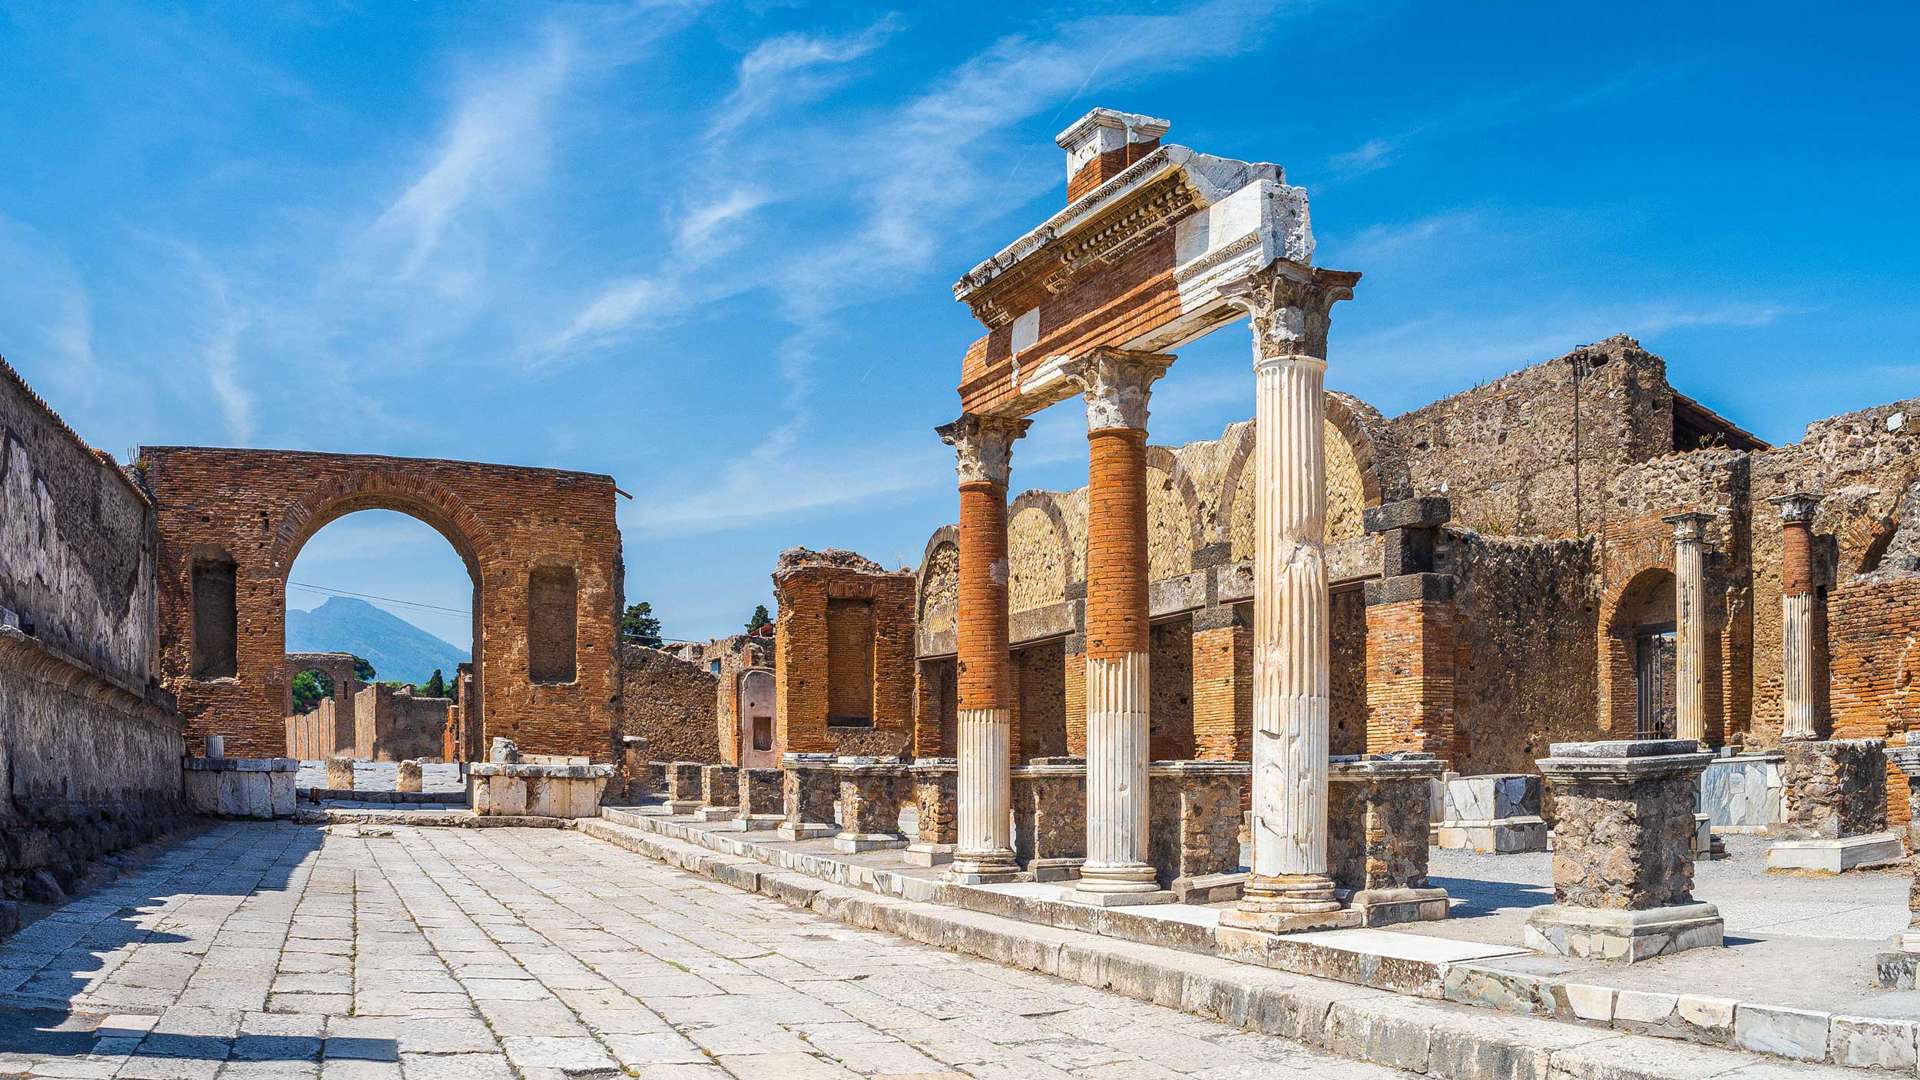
[
  {"x": 870, "y": 793},
  {"x": 527, "y": 790},
  {"x": 1050, "y": 817},
  {"x": 1194, "y": 828},
  {"x": 339, "y": 774},
  {"x": 259, "y": 789},
  {"x": 936, "y": 799},
  {"x": 719, "y": 793},
  {"x": 631, "y": 777},
  {"x": 407, "y": 776},
  {"x": 1744, "y": 793},
  {"x": 1492, "y": 814},
  {"x": 1623, "y": 845},
  {"x": 1378, "y": 808},
  {"x": 807, "y": 793},
  {"x": 1898, "y": 966},
  {"x": 1836, "y": 808},
  {"x": 653, "y": 779},
  {"x": 761, "y": 803},
  {"x": 685, "y": 787}
]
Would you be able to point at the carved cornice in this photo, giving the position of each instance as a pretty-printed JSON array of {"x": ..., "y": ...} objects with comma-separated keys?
[
  {"x": 983, "y": 446},
  {"x": 1116, "y": 384},
  {"x": 1290, "y": 307}
]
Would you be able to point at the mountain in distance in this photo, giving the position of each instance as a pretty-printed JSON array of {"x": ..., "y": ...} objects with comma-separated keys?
[{"x": 397, "y": 649}]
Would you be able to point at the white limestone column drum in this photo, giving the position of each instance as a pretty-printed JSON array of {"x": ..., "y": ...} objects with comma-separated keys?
[
  {"x": 1796, "y": 691},
  {"x": 1289, "y": 888},
  {"x": 985, "y": 794},
  {"x": 1690, "y": 631},
  {"x": 1117, "y": 752}
]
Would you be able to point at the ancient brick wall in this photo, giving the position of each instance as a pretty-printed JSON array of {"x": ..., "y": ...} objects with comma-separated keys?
[
  {"x": 1874, "y": 631},
  {"x": 255, "y": 509},
  {"x": 390, "y": 724},
  {"x": 1347, "y": 672},
  {"x": 1524, "y": 674},
  {"x": 671, "y": 703},
  {"x": 805, "y": 585},
  {"x": 89, "y": 747},
  {"x": 1529, "y": 454},
  {"x": 1170, "y": 682},
  {"x": 1039, "y": 701},
  {"x": 725, "y": 659}
]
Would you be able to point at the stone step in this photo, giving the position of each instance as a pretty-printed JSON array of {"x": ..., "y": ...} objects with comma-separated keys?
[{"x": 1439, "y": 1039}]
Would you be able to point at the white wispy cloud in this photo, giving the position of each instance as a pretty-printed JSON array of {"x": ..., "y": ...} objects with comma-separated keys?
[
  {"x": 793, "y": 69},
  {"x": 47, "y": 308}
]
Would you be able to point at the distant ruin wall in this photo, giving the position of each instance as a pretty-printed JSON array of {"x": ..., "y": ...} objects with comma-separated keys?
[
  {"x": 390, "y": 724},
  {"x": 670, "y": 703}
]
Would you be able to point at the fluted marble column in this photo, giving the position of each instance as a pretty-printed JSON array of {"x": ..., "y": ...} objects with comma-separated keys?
[
  {"x": 1116, "y": 385},
  {"x": 1798, "y": 659},
  {"x": 1290, "y": 889},
  {"x": 1690, "y": 626},
  {"x": 983, "y": 446}
]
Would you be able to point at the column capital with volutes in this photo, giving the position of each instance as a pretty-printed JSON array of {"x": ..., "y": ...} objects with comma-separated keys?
[
  {"x": 1117, "y": 384},
  {"x": 1797, "y": 508},
  {"x": 1291, "y": 308},
  {"x": 983, "y": 446},
  {"x": 1689, "y": 528}
]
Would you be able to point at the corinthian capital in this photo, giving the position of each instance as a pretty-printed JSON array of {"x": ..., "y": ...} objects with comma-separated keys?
[
  {"x": 983, "y": 446},
  {"x": 1291, "y": 307},
  {"x": 1116, "y": 384}
]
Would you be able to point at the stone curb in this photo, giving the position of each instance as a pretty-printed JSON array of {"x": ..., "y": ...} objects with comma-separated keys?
[
  {"x": 1709, "y": 1021},
  {"x": 461, "y": 819},
  {"x": 1376, "y": 1026}
]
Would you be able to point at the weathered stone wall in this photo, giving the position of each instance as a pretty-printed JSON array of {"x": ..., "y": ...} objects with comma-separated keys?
[
  {"x": 255, "y": 509},
  {"x": 670, "y": 703},
  {"x": 90, "y": 749},
  {"x": 1040, "y": 701},
  {"x": 1170, "y": 716},
  {"x": 390, "y": 724},
  {"x": 1875, "y": 635},
  {"x": 1524, "y": 677}
]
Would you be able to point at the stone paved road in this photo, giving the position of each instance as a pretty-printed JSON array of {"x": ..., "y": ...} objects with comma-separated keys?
[{"x": 273, "y": 950}]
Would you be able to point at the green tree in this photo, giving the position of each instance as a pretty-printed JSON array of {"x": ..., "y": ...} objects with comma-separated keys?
[
  {"x": 363, "y": 671},
  {"x": 760, "y": 619},
  {"x": 639, "y": 627},
  {"x": 310, "y": 688},
  {"x": 435, "y": 687}
]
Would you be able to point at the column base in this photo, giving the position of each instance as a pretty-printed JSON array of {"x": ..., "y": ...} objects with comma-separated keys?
[
  {"x": 1079, "y": 895},
  {"x": 1824, "y": 857},
  {"x": 923, "y": 854},
  {"x": 683, "y": 807},
  {"x": 983, "y": 868},
  {"x": 752, "y": 823},
  {"x": 1055, "y": 869},
  {"x": 1624, "y": 936},
  {"x": 716, "y": 813},
  {"x": 1290, "y": 922},
  {"x": 809, "y": 830},
  {"x": 1290, "y": 904},
  {"x": 1384, "y": 907},
  {"x": 851, "y": 843}
]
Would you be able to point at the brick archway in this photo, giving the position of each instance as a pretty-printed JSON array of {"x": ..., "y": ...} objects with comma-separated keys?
[{"x": 537, "y": 542}]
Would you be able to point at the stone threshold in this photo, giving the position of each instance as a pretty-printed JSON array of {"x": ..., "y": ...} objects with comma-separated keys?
[
  {"x": 1377, "y": 1026},
  {"x": 1439, "y": 970},
  {"x": 320, "y": 795},
  {"x": 447, "y": 819}
]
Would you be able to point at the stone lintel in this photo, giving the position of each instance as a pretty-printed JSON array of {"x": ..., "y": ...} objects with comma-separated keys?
[
  {"x": 1430, "y": 588},
  {"x": 1421, "y": 513},
  {"x": 1222, "y": 617},
  {"x": 1199, "y": 769},
  {"x": 933, "y": 765},
  {"x": 1403, "y": 765}
]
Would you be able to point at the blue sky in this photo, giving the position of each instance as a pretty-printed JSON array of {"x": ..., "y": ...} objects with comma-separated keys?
[{"x": 707, "y": 248}]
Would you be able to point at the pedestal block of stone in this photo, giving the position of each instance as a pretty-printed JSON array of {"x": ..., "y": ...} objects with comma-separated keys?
[
  {"x": 530, "y": 790},
  {"x": 1623, "y": 846},
  {"x": 256, "y": 789},
  {"x": 1378, "y": 810},
  {"x": 719, "y": 793},
  {"x": 653, "y": 777},
  {"x": 686, "y": 787},
  {"x": 870, "y": 795},
  {"x": 407, "y": 776},
  {"x": 761, "y": 803},
  {"x": 807, "y": 794},
  {"x": 1836, "y": 808},
  {"x": 936, "y": 800},
  {"x": 631, "y": 778},
  {"x": 1744, "y": 793},
  {"x": 1193, "y": 830},
  {"x": 1897, "y": 967},
  {"x": 1050, "y": 817},
  {"x": 1492, "y": 814},
  {"x": 339, "y": 774}
]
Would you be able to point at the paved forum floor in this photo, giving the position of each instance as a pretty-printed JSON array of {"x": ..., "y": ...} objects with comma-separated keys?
[{"x": 274, "y": 950}]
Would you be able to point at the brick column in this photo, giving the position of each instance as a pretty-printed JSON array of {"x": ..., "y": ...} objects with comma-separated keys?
[
  {"x": 1116, "y": 385},
  {"x": 1798, "y": 646},
  {"x": 1411, "y": 639},
  {"x": 1289, "y": 889},
  {"x": 983, "y": 446},
  {"x": 1690, "y": 619}
]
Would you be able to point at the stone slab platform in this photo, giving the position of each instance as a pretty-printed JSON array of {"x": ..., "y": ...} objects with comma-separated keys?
[
  {"x": 1687, "y": 995},
  {"x": 1378, "y": 1026}
]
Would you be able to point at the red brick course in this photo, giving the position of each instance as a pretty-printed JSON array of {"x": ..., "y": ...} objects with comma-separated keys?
[
  {"x": 816, "y": 599},
  {"x": 983, "y": 676},
  {"x": 1874, "y": 635},
  {"x": 1117, "y": 544},
  {"x": 259, "y": 507},
  {"x": 1411, "y": 650}
]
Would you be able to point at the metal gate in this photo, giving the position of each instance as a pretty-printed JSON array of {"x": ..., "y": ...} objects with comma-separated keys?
[{"x": 1653, "y": 678}]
